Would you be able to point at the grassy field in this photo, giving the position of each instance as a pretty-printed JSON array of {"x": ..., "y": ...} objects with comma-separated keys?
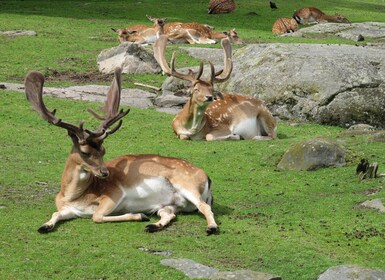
[{"x": 293, "y": 224}]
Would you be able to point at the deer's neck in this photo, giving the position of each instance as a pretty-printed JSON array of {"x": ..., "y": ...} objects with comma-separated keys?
[
  {"x": 217, "y": 35},
  {"x": 75, "y": 180},
  {"x": 194, "y": 117}
]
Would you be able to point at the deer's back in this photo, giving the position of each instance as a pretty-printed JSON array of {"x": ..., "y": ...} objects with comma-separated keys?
[{"x": 284, "y": 25}]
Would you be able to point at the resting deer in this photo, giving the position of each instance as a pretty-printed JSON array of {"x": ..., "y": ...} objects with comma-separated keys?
[
  {"x": 142, "y": 34},
  {"x": 314, "y": 15},
  {"x": 231, "y": 117},
  {"x": 196, "y": 33},
  {"x": 126, "y": 188},
  {"x": 284, "y": 25}
]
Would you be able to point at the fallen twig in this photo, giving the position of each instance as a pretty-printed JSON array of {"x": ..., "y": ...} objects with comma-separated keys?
[{"x": 148, "y": 86}]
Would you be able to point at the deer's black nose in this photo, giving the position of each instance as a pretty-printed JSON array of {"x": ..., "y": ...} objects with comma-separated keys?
[
  {"x": 104, "y": 172},
  {"x": 209, "y": 98}
]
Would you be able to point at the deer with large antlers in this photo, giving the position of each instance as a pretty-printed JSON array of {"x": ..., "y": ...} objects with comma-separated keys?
[
  {"x": 127, "y": 188},
  {"x": 204, "y": 117}
]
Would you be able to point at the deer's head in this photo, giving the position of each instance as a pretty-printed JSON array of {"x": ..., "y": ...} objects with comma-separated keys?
[
  {"x": 341, "y": 19},
  {"x": 87, "y": 150},
  {"x": 124, "y": 34},
  {"x": 202, "y": 91}
]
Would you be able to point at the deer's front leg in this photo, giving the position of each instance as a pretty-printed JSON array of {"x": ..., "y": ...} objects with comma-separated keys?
[
  {"x": 63, "y": 214},
  {"x": 107, "y": 206}
]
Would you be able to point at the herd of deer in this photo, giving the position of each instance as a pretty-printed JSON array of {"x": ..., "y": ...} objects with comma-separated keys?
[
  {"x": 176, "y": 32},
  {"x": 131, "y": 187},
  {"x": 304, "y": 16}
]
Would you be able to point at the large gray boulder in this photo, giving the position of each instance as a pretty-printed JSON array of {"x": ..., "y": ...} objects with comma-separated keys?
[
  {"x": 328, "y": 84},
  {"x": 356, "y": 31},
  {"x": 132, "y": 58},
  {"x": 312, "y": 155},
  {"x": 350, "y": 272}
]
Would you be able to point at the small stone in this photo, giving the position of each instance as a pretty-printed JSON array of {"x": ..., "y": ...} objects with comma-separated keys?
[
  {"x": 374, "y": 204},
  {"x": 190, "y": 268},
  {"x": 243, "y": 275},
  {"x": 350, "y": 272}
]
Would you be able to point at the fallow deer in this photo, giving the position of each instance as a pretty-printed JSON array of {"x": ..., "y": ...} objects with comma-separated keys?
[
  {"x": 232, "y": 117},
  {"x": 196, "y": 33},
  {"x": 284, "y": 25},
  {"x": 315, "y": 15},
  {"x": 142, "y": 34},
  {"x": 221, "y": 6},
  {"x": 177, "y": 32},
  {"x": 127, "y": 188},
  {"x": 126, "y": 34}
]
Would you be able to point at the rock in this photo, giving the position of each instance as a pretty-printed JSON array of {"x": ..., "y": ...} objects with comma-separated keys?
[
  {"x": 374, "y": 204},
  {"x": 132, "y": 58},
  {"x": 312, "y": 155},
  {"x": 349, "y": 272},
  {"x": 190, "y": 268},
  {"x": 379, "y": 136},
  {"x": 361, "y": 127},
  {"x": 19, "y": 33},
  {"x": 354, "y": 31},
  {"x": 96, "y": 93},
  {"x": 170, "y": 101},
  {"x": 328, "y": 84},
  {"x": 243, "y": 275}
]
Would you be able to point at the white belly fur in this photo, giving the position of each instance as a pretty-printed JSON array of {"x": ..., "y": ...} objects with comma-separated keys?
[
  {"x": 247, "y": 128},
  {"x": 150, "y": 196}
]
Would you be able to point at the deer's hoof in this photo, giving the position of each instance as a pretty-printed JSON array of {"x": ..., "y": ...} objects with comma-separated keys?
[
  {"x": 212, "y": 230},
  {"x": 152, "y": 228},
  {"x": 45, "y": 228}
]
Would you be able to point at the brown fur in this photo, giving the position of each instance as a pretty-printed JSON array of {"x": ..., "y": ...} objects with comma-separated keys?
[
  {"x": 221, "y": 6},
  {"x": 315, "y": 15},
  {"x": 284, "y": 25}
]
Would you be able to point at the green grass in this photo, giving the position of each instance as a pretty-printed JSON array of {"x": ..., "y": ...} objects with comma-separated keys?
[{"x": 293, "y": 224}]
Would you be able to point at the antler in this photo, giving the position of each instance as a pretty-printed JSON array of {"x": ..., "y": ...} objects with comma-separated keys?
[
  {"x": 218, "y": 77},
  {"x": 34, "y": 91},
  {"x": 111, "y": 108},
  {"x": 224, "y": 75},
  {"x": 159, "y": 54}
]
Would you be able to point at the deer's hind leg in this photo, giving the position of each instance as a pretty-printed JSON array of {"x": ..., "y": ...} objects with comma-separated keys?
[{"x": 166, "y": 214}]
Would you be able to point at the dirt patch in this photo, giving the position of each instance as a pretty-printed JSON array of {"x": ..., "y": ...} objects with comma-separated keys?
[{"x": 88, "y": 77}]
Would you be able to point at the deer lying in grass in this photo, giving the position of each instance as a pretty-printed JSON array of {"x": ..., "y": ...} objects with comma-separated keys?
[
  {"x": 177, "y": 32},
  {"x": 284, "y": 25},
  {"x": 141, "y": 33},
  {"x": 126, "y": 188},
  {"x": 232, "y": 117},
  {"x": 314, "y": 15},
  {"x": 196, "y": 33}
]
